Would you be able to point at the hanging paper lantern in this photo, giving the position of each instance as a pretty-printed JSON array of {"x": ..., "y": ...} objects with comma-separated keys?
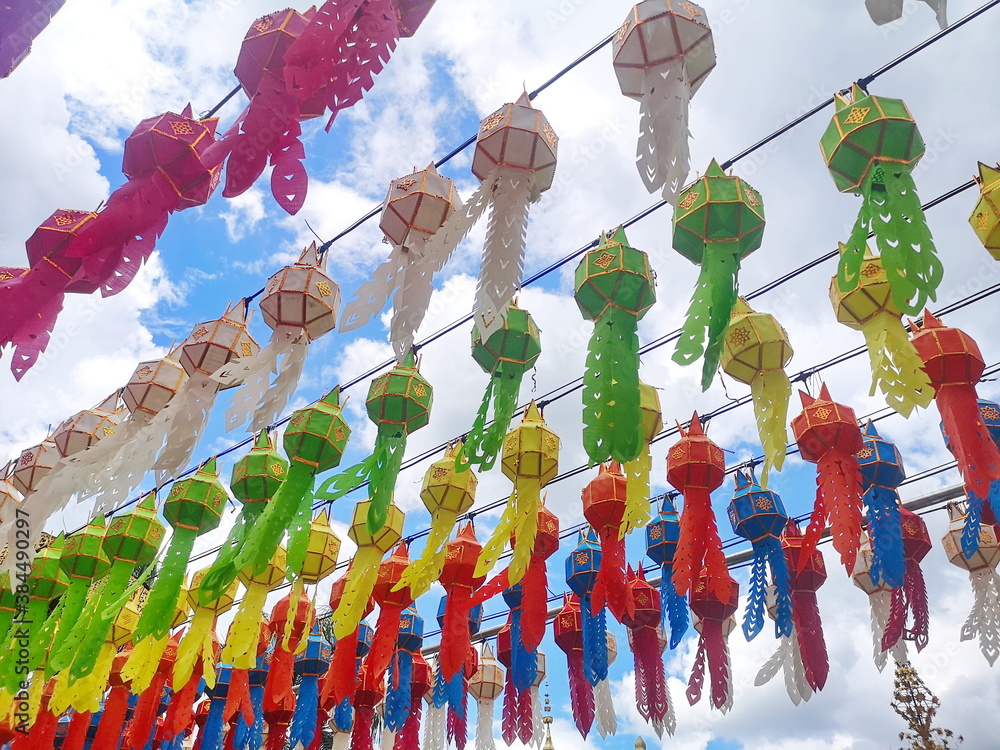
[
  {"x": 314, "y": 442},
  {"x": 400, "y": 695},
  {"x": 569, "y": 638},
  {"x": 460, "y": 581},
  {"x": 32, "y": 466},
  {"x": 758, "y": 515},
  {"x": 309, "y": 666},
  {"x": 888, "y": 11},
  {"x": 316, "y": 554},
  {"x": 870, "y": 147},
  {"x": 534, "y": 586},
  {"x": 879, "y": 602},
  {"x": 582, "y": 566},
  {"x": 140, "y": 727},
  {"x": 399, "y": 402},
  {"x": 881, "y": 473},
  {"x": 828, "y": 435},
  {"x": 718, "y": 221},
  {"x": 637, "y": 471},
  {"x": 130, "y": 541},
  {"x": 341, "y": 679},
  {"x": 290, "y": 625},
  {"x": 662, "y": 535},
  {"x": 409, "y": 735},
  {"x": 87, "y": 427},
  {"x": 299, "y": 304},
  {"x": 10, "y": 498},
  {"x": 868, "y": 306},
  {"x": 713, "y": 619},
  {"x": 954, "y": 363},
  {"x": 193, "y": 507},
  {"x": 244, "y": 631},
  {"x": 363, "y": 573},
  {"x": 152, "y": 386},
  {"x": 506, "y": 355},
  {"x": 808, "y": 574},
  {"x": 391, "y": 601},
  {"x": 447, "y": 492},
  {"x": 985, "y": 219},
  {"x": 983, "y": 621},
  {"x": 755, "y": 351},
  {"x": 531, "y": 460},
  {"x": 908, "y": 616},
  {"x": 604, "y": 501},
  {"x": 695, "y": 467},
  {"x": 642, "y": 619},
  {"x": 662, "y": 54},
  {"x": 486, "y": 686},
  {"x": 415, "y": 208},
  {"x": 614, "y": 287},
  {"x": 200, "y": 641}
]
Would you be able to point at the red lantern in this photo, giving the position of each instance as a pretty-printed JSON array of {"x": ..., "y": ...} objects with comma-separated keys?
[
  {"x": 420, "y": 685},
  {"x": 954, "y": 363},
  {"x": 695, "y": 467},
  {"x": 808, "y": 573},
  {"x": 909, "y": 601},
  {"x": 341, "y": 678},
  {"x": 535, "y": 585},
  {"x": 828, "y": 435},
  {"x": 279, "y": 699},
  {"x": 569, "y": 638},
  {"x": 714, "y": 621},
  {"x": 140, "y": 728},
  {"x": 604, "y": 505},
  {"x": 49, "y": 243},
  {"x": 391, "y": 603},
  {"x": 460, "y": 582},
  {"x": 642, "y": 619}
]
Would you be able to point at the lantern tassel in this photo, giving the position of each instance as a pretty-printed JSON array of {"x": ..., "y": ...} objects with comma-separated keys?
[
  {"x": 483, "y": 443},
  {"x": 663, "y": 156},
  {"x": 771, "y": 390},
  {"x": 612, "y": 420},
  {"x": 884, "y": 528},
  {"x": 82, "y": 647},
  {"x": 241, "y": 641},
  {"x": 713, "y": 652},
  {"x": 158, "y": 611},
  {"x": 768, "y": 552},
  {"x": 76, "y": 597},
  {"x": 711, "y": 307},
  {"x": 528, "y": 498},
  {"x": 422, "y": 572},
  {"x": 523, "y": 661},
  {"x": 838, "y": 485},
  {"x": 503, "y": 248},
  {"x": 787, "y": 659},
  {"x": 610, "y": 586},
  {"x": 303, "y": 727},
  {"x": 386, "y": 631},
  {"x": 260, "y": 400},
  {"x": 508, "y": 719},
  {"x": 398, "y": 697},
  {"x": 674, "y": 609},
  {"x": 196, "y": 644},
  {"x": 581, "y": 694},
  {"x": 637, "y": 506},
  {"x": 529, "y": 728},
  {"x": 140, "y": 728},
  {"x": 650, "y": 680},
  {"x": 341, "y": 678},
  {"x": 455, "y": 633},
  {"x": 984, "y": 619},
  {"x": 211, "y": 735},
  {"x": 595, "y": 643},
  {"x": 484, "y": 726},
  {"x": 498, "y": 540},
  {"x": 408, "y": 738},
  {"x": 388, "y": 459},
  {"x": 910, "y": 598},
  {"x": 809, "y": 633},
  {"x": 607, "y": 721},
  {"x": 89, "y": 689},
  {"x": 434, "y": 728},
  {"x": 109, "y": 730},
  {"x": 698, "y": 546},
  {"x": 897, "y": 369},
  {"x": 361, "y": 577},
  {"x": 534, "y": 603}
]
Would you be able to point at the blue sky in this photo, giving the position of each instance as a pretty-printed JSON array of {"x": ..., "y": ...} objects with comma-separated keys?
[{"x": 466, "y": 61}]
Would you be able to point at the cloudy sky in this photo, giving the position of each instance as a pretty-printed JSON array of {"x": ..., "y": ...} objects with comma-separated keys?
[{"x": 103, "y": 66}]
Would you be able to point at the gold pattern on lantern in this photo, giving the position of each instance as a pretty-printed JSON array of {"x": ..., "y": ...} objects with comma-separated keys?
[
  {"x": 679, "y": 453},
  {"x": 263, "y": 24},
  {"x": 581, "y": 558},
  {"x": 6, "y": 276},
  {"x": 144, "y": 372},
  {"x": 27, "y": 458},
  {"x": 549, "y": 134},
  {"x": 990, "y": 412},
  {"x": 246, "y": 348},
  {"x": 739, "y": 336},
  {"x": 857, "y": 115},
  {"x": 323, "y": 288},
  {"x": 551, "y": 444},
  {"x": 199, "y": 333},
  {"x": 823, "y": 413},
  {"x": 181, "y": 128},
  {"x": 405, "y": 185},
  {"x": 655, "y": 532},
  {"x": 493, "y": 120},
  {"x": 623, "y": 30},
  {"x": 732, "y": 517},
  {"x": 752, "y": 199},
  {"x": 982, "y": 221},
  {"x": 866, "y": 452},
  {"x": 108, "y": 430},
  {"x": 297, "y": 419},
  {"x": 62, "y": 220},
  {"x": 642, "y": 598},
  {"x": 690, "y": 8},
  {"x": 440, "y": 472},
  {"x": 985, "y": 537},
  {"x": 910, "y": 528},
  {"x": 763, "y": 503},
  {"x": 338, "y": 433},
  {"x": 604, "y": 260},
  {"x": 567, "y": 621},
  {"x": 870, "y": 271},
  {"x": 404, "y": 622},
  {"x": 419, "y": 390},
  {"x": 689, "y": 199},
  {"x": 277, "y": 469}
]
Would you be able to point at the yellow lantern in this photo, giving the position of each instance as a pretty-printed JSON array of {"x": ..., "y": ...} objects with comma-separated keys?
[
  {"x": 637, "y": 471},
  {"x": 198, "y": 641},
  {"x": 755, "y": 351},
  {"x": 244, "y": 631},
  {"x": 446, "y": 493},
  {"x": 985, "y": 219},
  {"x": 897, "y": 369},
  {"x": 363, "y": 573},
  {"x": 530, "y": 459}
]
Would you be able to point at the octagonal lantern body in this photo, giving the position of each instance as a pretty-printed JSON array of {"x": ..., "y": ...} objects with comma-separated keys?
[
  {"x": 871, "y": 297},
  {"x": 516, "y": 343},
  {"x": 401, "y": 397},
  {"x": 49, "y": 242},
  {"x": 446, "y": 489},
  {"x": 695, "y": 461},
  {"x": 83, "y": 557},
  {"x": 754, "y": 343},
  {"x": 985, "y": 558},
  {"x": 317, "y": 435},
  {"x": 657, "y": 33},
  {"x": 613, "y": 274},
  {"x": 950, "y": 355},
  {"x": 151, "y": 387},
  {"x": 135, "y": 537},
  {"x": 85, "y": 428},
  {"x": 824, "y": 425},
  {"x": 531, "y": 449},
  {"x": 218, "y": 342},
  {"x": 33, "y": 465},
  {"x": 985, "y": 218},
  {"x": 196, "y": 502},
  {"x": 518, "y": 137},
  {"x": 302, "y": 297},
  {"x": 417, "y": 205}
]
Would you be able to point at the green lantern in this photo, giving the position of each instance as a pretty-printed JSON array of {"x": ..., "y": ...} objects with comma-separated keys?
[
  {"x": 314, "y": 442},
  {"x": 871, "y": 147},
  {"x": 614, "y": 287},
  {"x": 398, "y": 402},
  {"x": 45, "y": 582},
  {"x": 255, "y": 480},
  {"x": 193, "y": 507},
  {"x": 131, "y": 540},
  {"x": 718, "y": 221},
  {"x": 506, "y": 355}
]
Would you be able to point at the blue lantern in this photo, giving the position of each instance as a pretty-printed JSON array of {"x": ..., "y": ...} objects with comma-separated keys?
[
  {"x": 661, "y": 545},
  {"x": 582, "y": 565},
  {"x": 881, "y": 473},
  {"x": 213, "y": 733},
  {"x": 399, "y": 696},
  {"x": 758, "y": 515},
  {"x": 309, "y": 666}
]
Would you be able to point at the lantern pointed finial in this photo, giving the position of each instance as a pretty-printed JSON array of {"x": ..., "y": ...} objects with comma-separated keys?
[
  {"x": 930, "y": 321},
  {"x": 524, "y": 100},
  {"x": 807, "y": 400},
  {"x": 870, "y": 430},
  {"x": 824, "y": 393},
  {"x": 695, "y": 428},
  {"x": 989, "y": 176},
  {"x": 714, "y": 170}
]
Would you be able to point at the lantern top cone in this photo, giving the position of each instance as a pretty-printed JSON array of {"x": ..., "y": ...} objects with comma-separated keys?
[{"x": 950, "y": 355}]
